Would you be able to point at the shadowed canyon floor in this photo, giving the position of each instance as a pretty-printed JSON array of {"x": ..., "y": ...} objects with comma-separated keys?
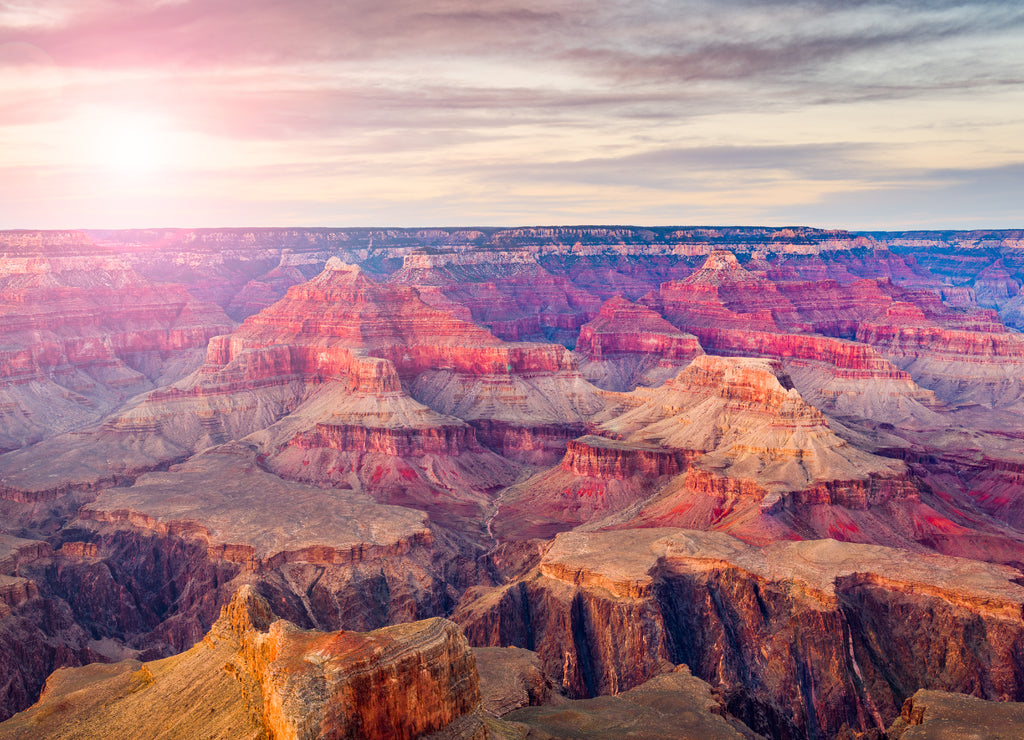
[{"x": 668, "y": 482}]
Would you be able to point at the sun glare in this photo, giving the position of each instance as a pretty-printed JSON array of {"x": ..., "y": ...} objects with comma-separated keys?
[{"x": 130, "y": 144}]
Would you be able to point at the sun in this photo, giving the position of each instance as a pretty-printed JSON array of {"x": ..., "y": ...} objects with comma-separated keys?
[{"x": 130, "y": 143}]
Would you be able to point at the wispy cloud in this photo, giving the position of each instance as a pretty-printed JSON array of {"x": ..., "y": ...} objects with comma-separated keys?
[{"x": 520, "y": 100}]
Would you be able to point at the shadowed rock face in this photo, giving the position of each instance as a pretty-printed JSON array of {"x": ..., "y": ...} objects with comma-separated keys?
[
  {"x": 161, "y": 557},
  {"x": 802, "y": 637}
]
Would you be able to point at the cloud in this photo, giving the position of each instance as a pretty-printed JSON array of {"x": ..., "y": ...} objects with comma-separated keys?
[{"x": 708, "y": 105}]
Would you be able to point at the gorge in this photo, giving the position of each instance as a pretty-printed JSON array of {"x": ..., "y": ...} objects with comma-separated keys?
[{"x": 508, "y": 483}]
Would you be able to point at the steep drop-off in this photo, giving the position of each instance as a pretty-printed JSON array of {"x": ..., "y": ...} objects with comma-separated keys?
[{"x": 802, "y": 637}]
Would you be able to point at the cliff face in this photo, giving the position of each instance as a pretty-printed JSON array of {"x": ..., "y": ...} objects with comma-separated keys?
[
  {"x": 508, "y": 292},
  {"x": 159, "y": 558},
  {"x": 255, "y": 675},
  {"x": 36, "y": 634},
  {"x": 629, "y": 345},
  {"x": 801, "y": 637},
  {"x": 596, "y": 477},
  {"x": 81, "y": 334},
  {"x": 943, "y": 357}
]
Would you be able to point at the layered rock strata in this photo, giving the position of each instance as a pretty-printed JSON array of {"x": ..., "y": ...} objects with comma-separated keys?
[
  {"x": 255, "y": 675},
  {"x": 596, "y": 477},
  {"x": 747, "y": 421},
  {"x": 801, "y": 637},
  {"x": 79, "y": 335},
  {"x": 629, "y": 345},
  {"x": 506, "y": 291},
  {"x": 339, "y": 332}
]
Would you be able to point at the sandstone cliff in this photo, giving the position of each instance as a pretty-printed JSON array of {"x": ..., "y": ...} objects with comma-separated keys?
[
  {"x": 629, "y": 345},
  {"x": 257, "y": 676},
  {"x": 801, "y": 637}
]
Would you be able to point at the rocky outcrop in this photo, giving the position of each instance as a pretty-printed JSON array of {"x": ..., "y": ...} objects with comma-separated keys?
[
  {"x": 937, "y": 715},
  {"x": 801, "y": 637},
  {"x": 598, "y": 457},
  {"x": 37, "y": 634},
  {"x": 511, "y": 678},
  {"x": 724, "y": 294},
  {"x": 672, "y": 706},
  {"x": 629, "y": 345},
  {"x": 626, "y": 327},
  {"x": 747, "y": 421},
  {"x": 255, "y": 675},
  {"x": 596, "y": 477}
]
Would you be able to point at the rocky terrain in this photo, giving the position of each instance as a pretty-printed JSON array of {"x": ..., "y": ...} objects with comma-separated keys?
[{"x": 703, "y": 482}]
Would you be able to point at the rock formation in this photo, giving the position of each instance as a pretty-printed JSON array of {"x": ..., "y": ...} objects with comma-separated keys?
[
  {"x": 671, "y": 706},
  {"x": 509, "y": 293},
  {"x": 801, "y": 637},
  {"x": 629, "y": 345},
  {"x": 79, "y": 335},
  {"x": 255, "y": 675},
  {"x": 936, "y": 715},
  {"x": 745, "y": 419},
  {"x": 391, "y": 435}
]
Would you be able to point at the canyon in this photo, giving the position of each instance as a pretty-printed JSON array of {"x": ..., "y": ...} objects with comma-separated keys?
[{"x": 531, "y": 482}]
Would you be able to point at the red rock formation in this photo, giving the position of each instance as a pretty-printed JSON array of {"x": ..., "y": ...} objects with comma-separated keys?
[
  {"x": 722, "y": 293},
  {"x": 80, "y": 334},
  {"x": 598, "y": 457},
  {"x": 255, "y": 675},
  {"x": 628, "y": 344},
  {"x": 747, "y": 422},
  {"x": 760, "y": 624},
  {"x": 597, "y": 476},
  {"x": 445, "y": 440},
  {"x": 402, "y": 681},
  {"x": 341, "y": 328},
  {"x": 507, "y": 292},
  {"x": 626, "y": 327},
  {"x": 975, "y": 361}
]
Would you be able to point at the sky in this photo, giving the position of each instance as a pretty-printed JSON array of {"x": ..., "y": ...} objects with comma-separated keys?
[{"x": 203, "y": 113}]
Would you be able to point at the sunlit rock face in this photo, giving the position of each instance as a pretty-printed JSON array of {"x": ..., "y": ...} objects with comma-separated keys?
[
  {"x": 734, "y": 480},
  {"x": 629, "y": 345},
  {"x": 605, "y": 611},
  {"x": 255, "y": 675}
]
